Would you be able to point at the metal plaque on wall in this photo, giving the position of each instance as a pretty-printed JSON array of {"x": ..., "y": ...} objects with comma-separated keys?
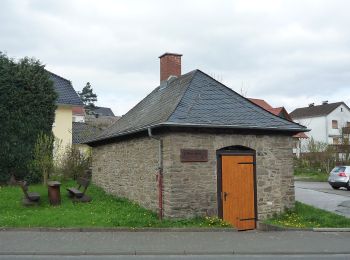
[{"x": 193, "y": 155}]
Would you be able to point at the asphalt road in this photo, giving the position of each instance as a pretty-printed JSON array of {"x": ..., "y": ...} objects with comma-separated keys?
[
  {"x": 322, "y": 187},
  {"x": 321, "y": 195},
  {"x": 172, "y": 257},
  {"x": 173, "y": 243}
]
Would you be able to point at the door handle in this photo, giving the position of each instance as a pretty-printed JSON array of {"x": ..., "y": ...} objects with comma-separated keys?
[{"x": 225, "y": 195}]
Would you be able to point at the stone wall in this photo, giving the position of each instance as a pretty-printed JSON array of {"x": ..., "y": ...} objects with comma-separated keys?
[
  {"x": 194, "y": 187},
  {"x": 128, "y": 169}
]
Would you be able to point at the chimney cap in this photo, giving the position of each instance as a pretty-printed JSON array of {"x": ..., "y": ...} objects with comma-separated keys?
[
  {"x": 311, "y": 104},
  {"x": 169, "y": 53},
  {"x": 325, "y": 102}
]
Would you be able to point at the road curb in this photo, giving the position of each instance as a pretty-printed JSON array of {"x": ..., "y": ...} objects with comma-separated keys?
[
  {"x": 167, "y": 253},
  {"x": 260, "y": 227},
  {"x": 269, "y": 227},
  {"x": 118, "y": 229},
  {"x": 331, "y": 229}
]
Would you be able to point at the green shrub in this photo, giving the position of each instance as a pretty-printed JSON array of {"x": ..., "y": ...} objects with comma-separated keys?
[
  {"x": 73, "y": 163},
  {"x": 27, "y": 108},
  {"x": 42, "y": 164}
]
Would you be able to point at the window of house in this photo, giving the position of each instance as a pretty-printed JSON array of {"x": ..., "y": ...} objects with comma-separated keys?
[
  {"x": 341, "y": 109},
  {"x": 334, "y": 124},
  {"x": 335, "y": 140}
]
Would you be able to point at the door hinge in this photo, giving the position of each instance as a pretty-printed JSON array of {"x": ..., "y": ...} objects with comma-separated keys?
[
  {"x": 246, "y": 219},
  {"x": 247, "y": 163}
]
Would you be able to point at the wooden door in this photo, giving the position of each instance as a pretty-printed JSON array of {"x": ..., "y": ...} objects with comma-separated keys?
[{"x": 238, "y": 193}]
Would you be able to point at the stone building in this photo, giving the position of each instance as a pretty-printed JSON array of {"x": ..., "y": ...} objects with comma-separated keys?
[{"x": 194, "y": 147}]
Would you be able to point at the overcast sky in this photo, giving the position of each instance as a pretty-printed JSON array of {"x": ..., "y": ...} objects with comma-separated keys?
[{"x": 289, "y": 53}]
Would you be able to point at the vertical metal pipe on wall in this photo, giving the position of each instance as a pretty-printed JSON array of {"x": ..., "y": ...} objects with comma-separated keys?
[{"x": 160, "y": 172}]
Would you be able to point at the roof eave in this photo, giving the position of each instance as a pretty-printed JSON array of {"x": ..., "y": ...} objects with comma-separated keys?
[
  {"x": 235, "y": 127},
  {"x": 291, "y": 130},
  {"x": 121, "y": 134},
  {"x": 306, "y": 117}
]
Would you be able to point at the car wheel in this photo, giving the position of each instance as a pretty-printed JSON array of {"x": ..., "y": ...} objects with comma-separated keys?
[
  {"x": 336, "y": 188},
  {"x": 348, "y": 186}
]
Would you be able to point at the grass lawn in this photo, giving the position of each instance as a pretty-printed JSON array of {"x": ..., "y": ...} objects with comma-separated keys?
[
  {"x": 103, "y": 211},
  {"x": 310, "y": 175},
  {"x": 304, "y": 216}
]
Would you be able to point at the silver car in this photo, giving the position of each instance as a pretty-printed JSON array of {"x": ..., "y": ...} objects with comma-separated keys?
[{"x": 340, "y": 177}]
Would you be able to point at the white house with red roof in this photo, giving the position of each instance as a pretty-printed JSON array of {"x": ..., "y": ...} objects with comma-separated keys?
[{"x": 326, "y": 120}]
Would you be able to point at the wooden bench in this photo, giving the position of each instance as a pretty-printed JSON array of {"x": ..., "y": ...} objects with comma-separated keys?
[
  {"x": 30, "y": 198},
  {"x": 78, "y": 194}
]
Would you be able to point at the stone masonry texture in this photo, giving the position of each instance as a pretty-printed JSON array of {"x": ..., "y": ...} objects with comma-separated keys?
[{"x": 128, "y": 169}]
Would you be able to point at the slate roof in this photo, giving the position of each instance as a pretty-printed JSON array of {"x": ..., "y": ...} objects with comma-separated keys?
[
  {"x": 65, "y": 91},
  {"x": 196, "y": 100},
  {"x": 103, "y": 111},
  {"x": 82, "y": 132},
  {"x": 315, "y": 111}
]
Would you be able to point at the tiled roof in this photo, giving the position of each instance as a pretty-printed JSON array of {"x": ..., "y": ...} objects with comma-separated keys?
[
  {"x": 278, "y": 111},
  {"x": 78, "y": 110},
  {"x": 65, "y": 91},
  {"x": 315, "y": 111},
  {"x": 197, "y": 100},
  {"x": 262, "y": 103},
  {"x": 101, "y": 121},
  {"x": 301, "y": 135},
  {"x": 102, "y": 111},
  {"x": 82, "y": 132}
]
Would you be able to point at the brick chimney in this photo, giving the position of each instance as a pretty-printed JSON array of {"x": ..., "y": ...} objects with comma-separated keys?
[{"x": 170, "y": 65}]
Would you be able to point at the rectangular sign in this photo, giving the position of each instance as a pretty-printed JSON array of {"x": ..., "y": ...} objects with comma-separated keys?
[{"x": 193, "y": 155}]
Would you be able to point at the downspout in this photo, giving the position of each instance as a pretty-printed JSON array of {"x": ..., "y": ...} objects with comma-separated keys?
[
  {"x": 327, "y": 131},
  {"x": 160, "y": 172}
]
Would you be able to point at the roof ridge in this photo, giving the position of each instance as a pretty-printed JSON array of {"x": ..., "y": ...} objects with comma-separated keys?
[
  {"x": 183, "y": 94},
  {"x": 328, "y": 104},
  {"x": 319, "y": 110}
]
